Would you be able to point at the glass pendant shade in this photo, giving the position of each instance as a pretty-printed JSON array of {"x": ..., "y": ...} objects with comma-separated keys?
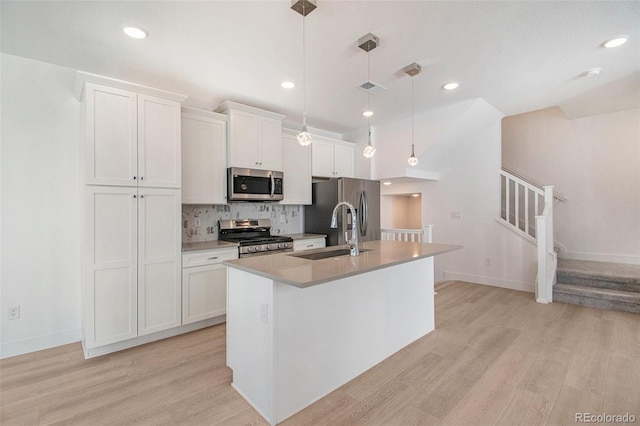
[
  {"x": 369, "y": 150},
  {"x": 304, "y": 137},
  {"x": 412, "y": 160}
]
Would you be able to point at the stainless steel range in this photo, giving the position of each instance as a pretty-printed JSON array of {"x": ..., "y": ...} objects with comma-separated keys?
[{"x": 254, "y": 237}]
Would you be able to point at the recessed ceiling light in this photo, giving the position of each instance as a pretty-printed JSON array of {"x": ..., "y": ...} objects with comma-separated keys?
[
  {"x": 367, "y": 113},
  {"x": 135, "y": 32},
  {"x": 415, "y": 195},
  {"x": 288, "y": 84},
  {"x": 618, "y": 41},
  {"x": 451, "y": 86},
  {"x": 386, "y": 183}
]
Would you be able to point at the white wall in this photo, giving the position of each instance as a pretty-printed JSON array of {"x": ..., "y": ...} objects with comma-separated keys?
[
  {"x": 40, "y": 206},
  {"x": 595, "y": 163},
  {"x": 463, "y": 144}
]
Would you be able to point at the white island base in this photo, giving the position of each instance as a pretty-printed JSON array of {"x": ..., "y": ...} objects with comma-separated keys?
[{"x": 290, "y": 346}]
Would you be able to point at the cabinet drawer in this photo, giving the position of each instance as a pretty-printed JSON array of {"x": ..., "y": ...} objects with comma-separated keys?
[
  {"x": 308, "y": 244},
  {"x": 208, "y": 257}
]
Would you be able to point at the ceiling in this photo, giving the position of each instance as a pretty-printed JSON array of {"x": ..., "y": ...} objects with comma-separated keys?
[{"x": 519, "y": 56}]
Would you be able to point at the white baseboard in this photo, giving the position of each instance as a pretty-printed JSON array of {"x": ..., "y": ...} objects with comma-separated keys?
[
  {"x": 600, "y": 257},
  {"x": 39, "y": 343},
  {"x": 492, "y": 281}
]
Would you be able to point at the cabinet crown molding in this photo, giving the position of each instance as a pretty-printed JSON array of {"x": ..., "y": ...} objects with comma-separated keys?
[
  {"x": 85, "y": 77},
  {"x": 229, "y": 105}
]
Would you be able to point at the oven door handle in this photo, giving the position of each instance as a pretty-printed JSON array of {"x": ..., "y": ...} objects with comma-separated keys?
[{"x": 273, "y": 185}]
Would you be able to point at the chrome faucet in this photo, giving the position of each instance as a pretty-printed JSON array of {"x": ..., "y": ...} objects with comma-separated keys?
[{"x": 353, "y": 242}]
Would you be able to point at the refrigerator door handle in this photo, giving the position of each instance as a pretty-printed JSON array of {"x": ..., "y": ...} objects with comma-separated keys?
[{"x": 363, "y": 213}]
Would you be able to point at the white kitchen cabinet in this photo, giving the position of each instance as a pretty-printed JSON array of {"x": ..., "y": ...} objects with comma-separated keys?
[
  {"x": 111, "y": 266},
  {"x": 159, "y": 259},
  {"x": 332, "y": 158},
  {"x": 309, "y": 244},
  {"x": 132, "y": 272},
  {"x": 296, "y": 165},
  {"x": 204, "y": 284},
  {"x": 204, "y": 157},
  {"x": 130, "y": 139},
  {"x": 255, "y": 137}
]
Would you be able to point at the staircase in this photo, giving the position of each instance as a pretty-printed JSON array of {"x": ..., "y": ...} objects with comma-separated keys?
[{"x": 604, "y": 285}]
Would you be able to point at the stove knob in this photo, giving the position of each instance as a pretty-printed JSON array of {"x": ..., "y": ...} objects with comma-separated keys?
[
  {"x": 282, "y": 245},
  {"x": 251, "y": 249}
]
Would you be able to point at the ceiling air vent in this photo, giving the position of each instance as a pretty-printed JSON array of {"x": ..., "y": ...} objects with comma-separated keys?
[{"x": 371, "y": 87}]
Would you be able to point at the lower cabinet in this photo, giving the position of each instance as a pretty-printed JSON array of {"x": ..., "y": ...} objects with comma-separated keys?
[
  {"x": 204, "y": 284},
  {"x": 132, "y": 267},
  {"x": 308, "y": 244}
]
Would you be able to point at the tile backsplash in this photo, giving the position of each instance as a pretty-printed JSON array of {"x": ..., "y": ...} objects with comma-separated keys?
[{"x": 284, "y": 219}]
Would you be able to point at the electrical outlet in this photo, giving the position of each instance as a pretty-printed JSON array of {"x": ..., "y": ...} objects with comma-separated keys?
[
  {"x": 487, "y": 261},
  {"x": 456, "y": 215},
  {"x": 13, "y": 312},
  {"x": 196, "y": 222}
]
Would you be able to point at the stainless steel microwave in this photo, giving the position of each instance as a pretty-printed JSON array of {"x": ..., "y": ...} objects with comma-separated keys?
[{"x": 254, "y": 185}]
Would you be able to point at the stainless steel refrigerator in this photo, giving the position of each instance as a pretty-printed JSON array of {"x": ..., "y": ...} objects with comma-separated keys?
[{"x": 363, "y": 194}]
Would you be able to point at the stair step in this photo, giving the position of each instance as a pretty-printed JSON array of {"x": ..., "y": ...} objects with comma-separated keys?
[
  {"x": 614, "y": 276},
  {"x": 604, "y": 298}
]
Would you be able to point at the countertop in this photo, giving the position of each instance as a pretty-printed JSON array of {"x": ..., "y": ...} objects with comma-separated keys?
[
  {"x": 304, "y": 236},
  {"x": 302, "y": 273},
  {"x": 207, "y": 245}
]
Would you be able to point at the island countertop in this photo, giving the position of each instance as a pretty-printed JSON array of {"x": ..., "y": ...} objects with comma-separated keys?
[{"x": 299, "y": 272}]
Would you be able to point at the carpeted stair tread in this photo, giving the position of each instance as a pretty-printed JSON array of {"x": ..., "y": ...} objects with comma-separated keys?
[
  {"x": 605, "y": 270},
  {"x": 617, "y": 300}
]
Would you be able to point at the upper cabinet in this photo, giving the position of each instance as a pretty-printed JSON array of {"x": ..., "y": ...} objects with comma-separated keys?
[
  {"x": 296, "y": 162},
  {"x": 255, "y": 137},
  {"x": 204, "y": 157},
  {"x": 131, "y": 139},
  {"x": 332, "y": 158}
]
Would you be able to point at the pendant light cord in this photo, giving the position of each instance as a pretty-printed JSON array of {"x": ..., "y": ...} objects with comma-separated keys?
[
  {"x": 412, "y": 126},
  {"x": 304, "y": 68}
]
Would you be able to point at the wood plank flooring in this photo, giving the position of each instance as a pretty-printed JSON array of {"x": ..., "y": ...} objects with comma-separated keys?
[{"x": 496, "y": 357}]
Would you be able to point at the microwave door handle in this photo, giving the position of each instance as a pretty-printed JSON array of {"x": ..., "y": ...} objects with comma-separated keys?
[{"x": 273, "y": 185}]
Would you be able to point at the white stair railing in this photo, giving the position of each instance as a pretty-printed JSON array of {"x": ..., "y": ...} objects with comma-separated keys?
[
  {"x": 521, "y": 203},
  {"x": 424, "y": 235},
  {"x": 547, "y": 258}
]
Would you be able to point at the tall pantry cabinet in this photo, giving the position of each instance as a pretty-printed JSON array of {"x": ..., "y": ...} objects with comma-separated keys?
[{"x": 130, "y": 169}]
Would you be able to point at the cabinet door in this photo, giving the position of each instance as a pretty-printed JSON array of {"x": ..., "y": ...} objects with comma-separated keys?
[
  {"x": 159, "y": 260},
  {"x": 322, "y": 159},
  {"x": 204, "y": 160},
  {"x": 158, "y": 142},
  {"x": 111, "y": 136},
  {"x": 270, "y": 131},
  {"x": 296, "y": 162},
  {"x": 204, "y": 292},
  {"x": 344, "y": 161},
  {"x": 244, "y": 147},
  {"x": 110, "y": 295}
]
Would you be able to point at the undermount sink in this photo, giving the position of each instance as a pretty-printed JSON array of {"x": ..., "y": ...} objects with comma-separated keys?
[{"x": 326, "y": 254}]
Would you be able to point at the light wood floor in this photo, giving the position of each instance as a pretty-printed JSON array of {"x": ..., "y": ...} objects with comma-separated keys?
[{"x": 496, "y": 357}]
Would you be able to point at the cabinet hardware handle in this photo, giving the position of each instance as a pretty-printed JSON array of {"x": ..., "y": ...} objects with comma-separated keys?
[
  {"x": 309, "y": 245},
  {"x": 134, "y": 178},
  {"x": 213, "y": 258},
  {"x": 142, "y": 196},
  {"x": 134, "y": 195},
  {"x": 141, "y": 177}
]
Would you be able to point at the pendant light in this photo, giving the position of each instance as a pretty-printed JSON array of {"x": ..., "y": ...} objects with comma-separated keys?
[
  {"x": 304, "y": 7},
  {"x": 412, "y": 70},
  {"x": 368, "y": 43}
]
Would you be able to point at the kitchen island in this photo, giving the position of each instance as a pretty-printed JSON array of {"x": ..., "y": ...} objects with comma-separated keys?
[{"x": 299, "y": 328}]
